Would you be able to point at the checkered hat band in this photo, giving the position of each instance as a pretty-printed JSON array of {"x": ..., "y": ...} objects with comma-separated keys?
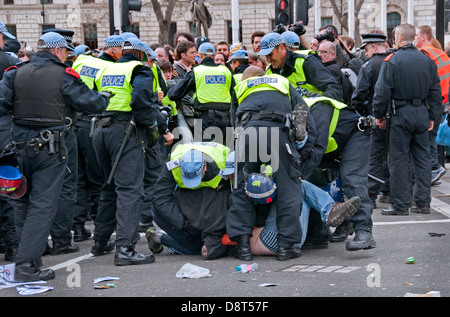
[
  {"x": 373, "y": 40},
  {"x": 134, "y": 47},
  {"x": 113, "y": 44},
  {"x": 193, "y": 174},
  {"x": 53, "y": 45},
  {"x": 66, "y": 37},
  {"x": 272, "y": 44}
]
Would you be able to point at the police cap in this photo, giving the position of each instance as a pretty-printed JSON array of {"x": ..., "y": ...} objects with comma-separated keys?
[
  {"x": 372, "y": 38},
  {"x": 67, "y": 34},
  {"x": 4, "y": 31}
]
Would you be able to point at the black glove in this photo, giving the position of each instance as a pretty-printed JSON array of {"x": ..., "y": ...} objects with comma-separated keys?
[
  {"x": 107, "y": 94},
  {"x": 189, "y": 229}
]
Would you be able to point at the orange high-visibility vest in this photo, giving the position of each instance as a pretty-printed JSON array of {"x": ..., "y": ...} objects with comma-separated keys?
[{"x": 443, "y": 67}]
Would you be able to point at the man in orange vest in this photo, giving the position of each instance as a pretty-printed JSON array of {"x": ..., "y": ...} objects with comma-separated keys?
[{"x": 422, "y": 41}]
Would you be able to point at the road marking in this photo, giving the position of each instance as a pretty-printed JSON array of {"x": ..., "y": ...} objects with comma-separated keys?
[
  {"x": 72, "y": 261},
  {"x": 411, "y": 222},
  {"x": 321, "y": 268}
]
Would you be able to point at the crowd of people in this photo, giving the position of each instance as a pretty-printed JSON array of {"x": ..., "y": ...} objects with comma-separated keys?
[{"x": 109, "y": 134}]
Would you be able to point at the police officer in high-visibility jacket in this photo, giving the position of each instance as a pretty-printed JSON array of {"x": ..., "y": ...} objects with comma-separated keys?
[
  {"x": 90, "y": 180},
  {"x": 134, "y": 104},
  {"x": 190, "y": 200},
  {"x": 213, "y": 86},
  {"x": 264, "y": 104},
  {"x": 343, "y": 145},
  {"x": 305, "y": 72},
  {"x": 239, "y": 63}
]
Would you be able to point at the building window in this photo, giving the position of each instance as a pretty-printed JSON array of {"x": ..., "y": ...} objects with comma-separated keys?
[
  {"x": 134, "y": 28},
  {"x": 12, "y": 29},
  {"x": 393, "y": 19},
  {"x": 46, "y": 1},
  {"x": 326, "y": 21},
  {"x": 47, "y": 26},
  {"x": 230, "y": 32},
  {"x": 88, "y": 1},
  {"x": 192, "y": 28},
  {"x": 8, "y": 1},
  {"x": 90, "y": 35}
]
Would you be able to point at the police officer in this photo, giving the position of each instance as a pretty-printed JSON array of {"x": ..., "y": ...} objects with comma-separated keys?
[
  {"x": 90, "y": 179},
  {"x": 263, "y": 105},
  {"x": 156, "y": 152},
  {"x": 190, "y": 199},
  {"x": 7, "y": 230},
  {"x": 305, "y": 72},
  {"x": 62, "y": 225},
  {"x": 38, "y": 93},
  {"x": 213, "y": 85},
  {"x": 343, "y": 146},
  {"x": 416, "y": 98},
  {"x": 376, "y": 51},
  {"x": 239, "y": 63},
  {"x": 130, "y": 112}
]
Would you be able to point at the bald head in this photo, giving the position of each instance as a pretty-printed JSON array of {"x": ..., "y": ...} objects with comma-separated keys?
[
  {"x": 327, "y": 51},
  {"x": 252, "y": 71}
]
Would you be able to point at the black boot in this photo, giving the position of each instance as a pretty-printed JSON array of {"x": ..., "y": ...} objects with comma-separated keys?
[
  {"x": 287, "y": 253},
  {"x": 61, "y": 248},
  {"x": 101, "y": 248},
  {"x": 80, "y": 233},
  {"x": 244, "y": 252},
  {"x": 363, "y": 241},
  {"x": 127, "y": 256},
  {"x": 342, "y": 232},
  {"x": 30, "y": 271}
]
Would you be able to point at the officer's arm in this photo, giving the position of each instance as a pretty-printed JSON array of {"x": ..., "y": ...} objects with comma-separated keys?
[
  {"x": 183, "y": 87},
  {"x": 296, "y": 98},
  {"x": 317, "y": 75},
  {"x": 144, "y": 101},
  {"x": 6, "y": 92},
  {"x": 363, "y": 84},
  {"x": 383, "y": 89},
  {"x": 233, "y": 109},
  {"x": 164, "y": 203},
  {"x": 79, "y": 96},
  {"x": 322, "y": 114}
]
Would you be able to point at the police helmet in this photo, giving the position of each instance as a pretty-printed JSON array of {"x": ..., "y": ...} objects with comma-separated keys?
[
  {"x": 12, "y": 182},
  {"x": 261, "y": 187}
]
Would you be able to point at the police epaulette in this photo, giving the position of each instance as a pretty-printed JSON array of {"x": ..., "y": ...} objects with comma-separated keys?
[
  {"x": 17, "y": 65},
  {"x": 71, "y": 71},
  {"x": 388, "y": 57}
]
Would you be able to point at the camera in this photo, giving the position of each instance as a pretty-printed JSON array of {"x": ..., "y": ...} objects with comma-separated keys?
[
  {"x": 280, "y": 28},
  {"x": 329, "y": 35},
  {"x": 298, "y": 28}
]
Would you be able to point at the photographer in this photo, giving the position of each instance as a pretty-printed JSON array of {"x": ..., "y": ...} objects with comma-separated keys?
[
  {"x": 343, "y": 56},
  {"x": 298, "y": 28}
]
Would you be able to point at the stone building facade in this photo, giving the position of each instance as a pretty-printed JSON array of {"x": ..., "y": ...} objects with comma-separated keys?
[{"x": 90, "y": 18}]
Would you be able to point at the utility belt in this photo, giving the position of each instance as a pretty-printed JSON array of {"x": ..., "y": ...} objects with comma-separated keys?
[
  {"x": 414, "y": 102},
  {"x": 106, "y": 122},
  {"x": 151, "y": 132},
  {"x": 54, "y": 141},
  {"x": 265, "y": 115}
]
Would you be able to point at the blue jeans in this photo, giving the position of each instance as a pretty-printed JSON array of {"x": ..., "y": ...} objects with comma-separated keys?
[{"x": 312, "y": 197}]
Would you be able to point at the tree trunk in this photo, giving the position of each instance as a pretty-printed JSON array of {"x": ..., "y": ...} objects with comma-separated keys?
[
  {"x": 343, "y": 18},
  {"x": 163, "y": 19}
]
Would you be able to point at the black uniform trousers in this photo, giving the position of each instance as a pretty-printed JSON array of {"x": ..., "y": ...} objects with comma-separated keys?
[
  {"x": 154, "y": 160},
  {"x": 62, "y": 226},
  {"x": 90, "y": 179},
  {"x": 34, "y": 213},
  {"x": 257, "y": 141},
  {"x": 353, "y": 169},
  {"x": 120, "y": 202},
  {"x": 409, "y": 142},
  {"x": 378, "y": 164}
]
